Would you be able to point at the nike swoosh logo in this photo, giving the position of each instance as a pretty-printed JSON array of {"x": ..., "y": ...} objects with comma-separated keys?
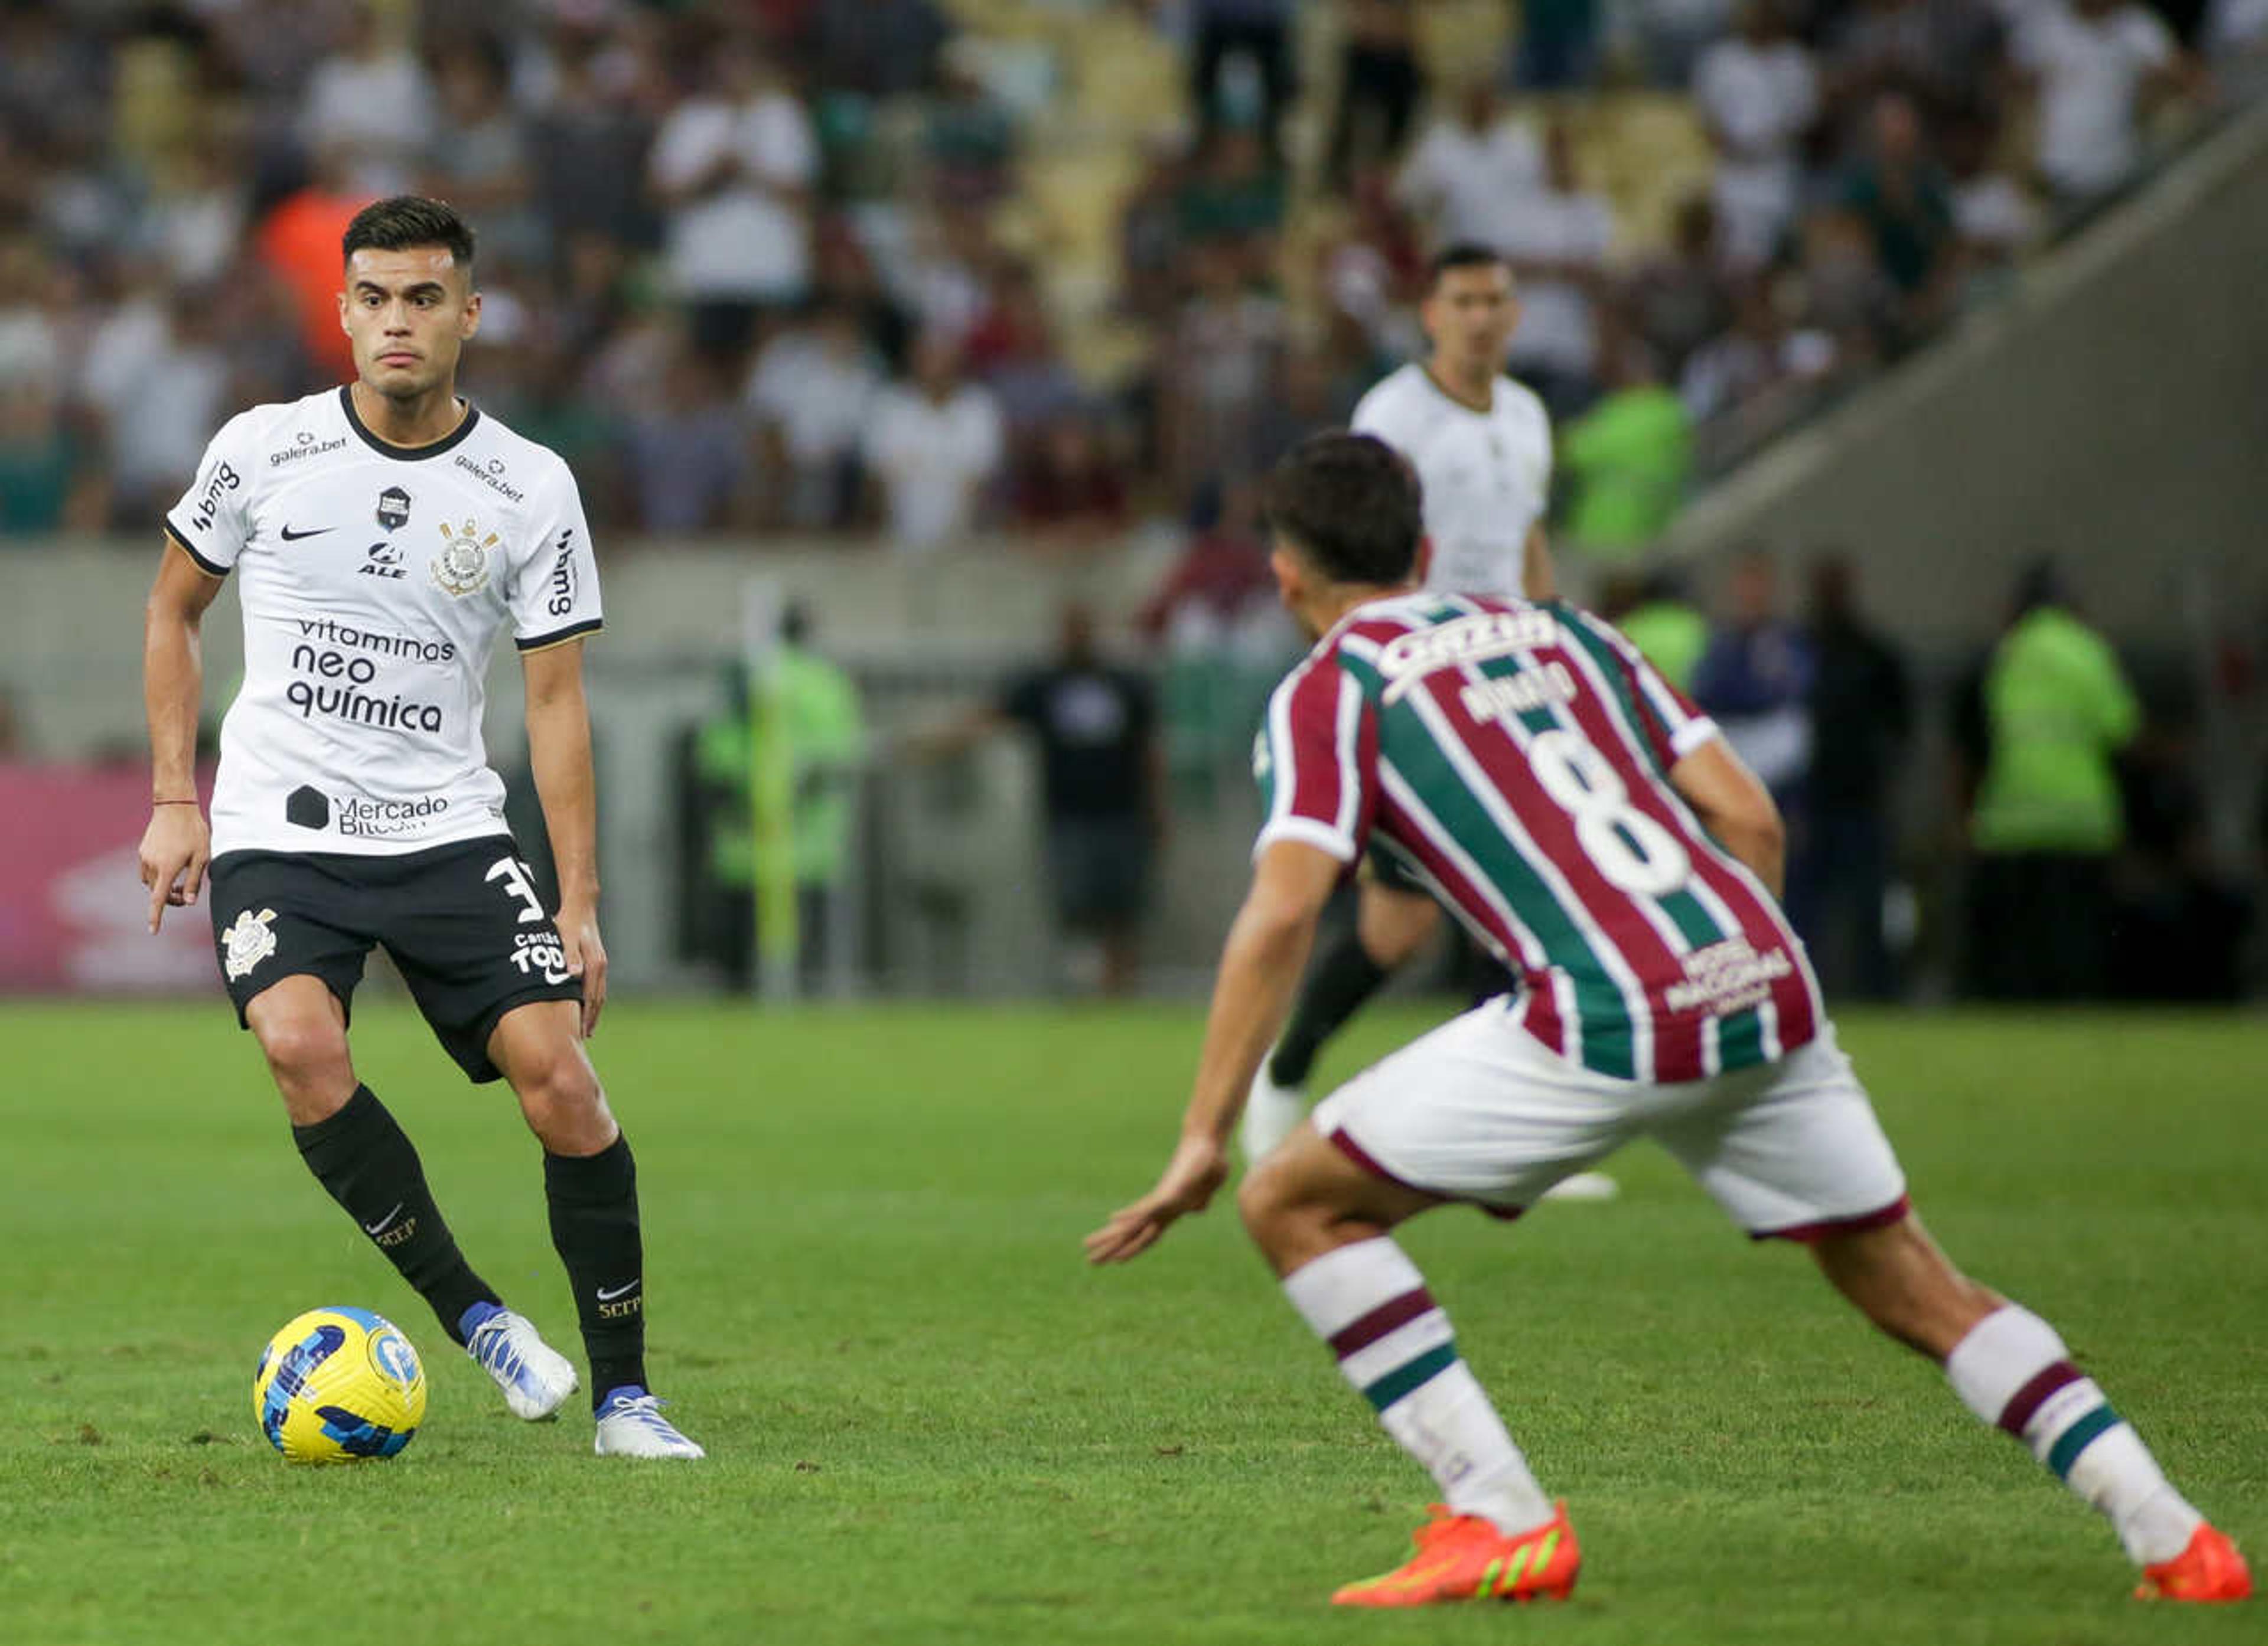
[
  {"x": 290, "y": 536},
  {"x": 378, "y": 1227},
  {"x": 609, "y": 1296}
]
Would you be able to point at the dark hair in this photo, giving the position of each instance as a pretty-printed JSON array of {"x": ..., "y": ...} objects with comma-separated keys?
[
  {"x": 1462, "y": 254},
  {"x": 397, "y": 224},
  {"x": 1351, "y": 505}
]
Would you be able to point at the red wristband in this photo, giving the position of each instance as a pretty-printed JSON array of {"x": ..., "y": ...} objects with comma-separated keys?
[{"x": 173, "y": 802}]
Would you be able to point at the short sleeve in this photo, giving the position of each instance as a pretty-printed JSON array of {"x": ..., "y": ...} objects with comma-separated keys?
[
  {"x": 1673, "y": 724},
  {"x": 213, "y": 519},
  {"x": 1317, "y": 761},
  {"x": 554, "y": 586}
]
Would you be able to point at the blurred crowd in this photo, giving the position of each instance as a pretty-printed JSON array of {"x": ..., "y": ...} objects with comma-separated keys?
[{"x": 749, "y": 266}]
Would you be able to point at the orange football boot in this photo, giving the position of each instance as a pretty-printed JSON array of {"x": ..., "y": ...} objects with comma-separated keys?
[
  {"x": 2209, "y": 1568},
  {"x": 1464, "y": 1557}
]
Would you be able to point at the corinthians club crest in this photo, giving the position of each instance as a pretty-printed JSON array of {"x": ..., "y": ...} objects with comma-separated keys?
[
  {"x": 461, "y": 567},
  {"x": 249, "y": 941}
]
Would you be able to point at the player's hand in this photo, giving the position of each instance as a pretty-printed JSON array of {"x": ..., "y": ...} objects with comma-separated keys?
[
  {"x": 587, "y": 959},
  {"x": 1192, "y": 1176},
  {"x": 175, "y": 849}
]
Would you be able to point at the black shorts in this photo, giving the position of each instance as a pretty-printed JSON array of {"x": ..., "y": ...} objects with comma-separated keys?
[
  {"x": 463, "y": 923},
  {"x": 1100, "y": 867}
]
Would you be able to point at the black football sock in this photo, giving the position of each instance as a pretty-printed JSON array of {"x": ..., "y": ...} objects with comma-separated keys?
[
  {"x": 594, "y": 1227},
  {"x": 371, "y": 1167},
  {"x": 1335, "y": 988}
]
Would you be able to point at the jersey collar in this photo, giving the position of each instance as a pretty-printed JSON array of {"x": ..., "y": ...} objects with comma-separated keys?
[{"x": 407, "y": 453}]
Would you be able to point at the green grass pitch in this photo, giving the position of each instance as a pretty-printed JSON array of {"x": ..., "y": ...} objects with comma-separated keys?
[{"x": 929, "y": 1421}]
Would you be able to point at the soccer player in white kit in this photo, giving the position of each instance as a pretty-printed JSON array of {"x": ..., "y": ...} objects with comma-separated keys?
[
  {"x": 383, "y": 533},
  {"x": 1481, "y": 444}
]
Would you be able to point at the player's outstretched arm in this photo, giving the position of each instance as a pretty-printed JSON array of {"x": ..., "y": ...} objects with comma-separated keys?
[
  {"x": 1736, "y": 809},
  {"x": 1260, "y": 968},
  {"x": 559, "y": 750},
  {"x": 177, "y": 844}
]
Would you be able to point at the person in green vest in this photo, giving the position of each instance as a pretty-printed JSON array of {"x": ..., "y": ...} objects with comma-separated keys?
[
  {"x": 1626, "y": 460},
  {"x": 1666, "y": 627},
  {"x": 826, "y": 734},
  {"x": 2054, "y": 710}
]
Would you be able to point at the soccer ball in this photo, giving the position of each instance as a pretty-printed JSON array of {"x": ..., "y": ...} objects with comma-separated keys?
[{"x": 338, "y": 1386}]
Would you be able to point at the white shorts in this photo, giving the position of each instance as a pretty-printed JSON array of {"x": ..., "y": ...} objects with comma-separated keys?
[{"x": 1480, "y": 1110}]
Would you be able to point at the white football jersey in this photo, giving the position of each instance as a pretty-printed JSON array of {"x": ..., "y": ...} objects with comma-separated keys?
[
  {"x": 373, "y": 580},
  {"x": 1487, "y": 475}
]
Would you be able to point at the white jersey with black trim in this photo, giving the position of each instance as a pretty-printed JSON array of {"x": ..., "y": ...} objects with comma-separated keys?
[
  {"x": 1487, "y": 475},
  {"x": 373, "y": 580}
]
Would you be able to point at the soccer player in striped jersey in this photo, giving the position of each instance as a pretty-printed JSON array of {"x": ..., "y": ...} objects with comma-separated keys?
[
  {"x": 1481, "y": 444},
  {"x": 1591, "y": 827}
]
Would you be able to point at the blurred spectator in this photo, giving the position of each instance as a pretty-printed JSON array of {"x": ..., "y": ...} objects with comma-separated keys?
[
  {"x": 933, "y": 447},
  {"x": 1758, "y": 92},
  {"x": 1011, "y": 350},
  {"x": 1841, "y": 291},
  {"x": 2055, "y": 710},
  {"x": 1753, "y": 357},
  {"x": 1211, "y": 591},
  {"x": 969, "y": 141},
  {"x": 370, "y": 103},
  {"x": 1102, "y": 777},
  {"x": 1558, "y": 44},
  {"x": 1907, "y": 206},
  {"x": 1235, "y": 193},
  {"x": 1996, "y": 221},
  {"x": 877, "y": 48},
  {"x": 2236, "y": 29},
  {"x": 1557, "y": 244},
  {"x": 1220, "y": 366},
  {"x": 1942, "y": 53},
  {"x": 1379, "y": 83},
  {"x": 820, "y": 720},
  {"x": 1373, "y": 270},
  {"x": 1658, "y": 616},
  {"x": 1678, "y": 299},
  {"x": 478, "y": 157},
  {"x": 587, "y": 151},
  {"x": 1861, "y": 716},
  {"x": 1755, "y": 680},
  {"x": 811, "y": 393},
  {"x": 1626, "y": 460},
  {"x": 155, "y": 371},
  {"x": 733, "y": 166},
  {"x": 30, "y": 338},
  {"x": 1150, "y": 232},
  {"x": 47, "y": 479},
  {"x": 686, "y": 451},
  {"x": 1672, "y": 34},
  {"x": 1068, "y": 490},
  {"x": 1241, "y": 63},
  {"x": 299, "y": 242},
  {"x": 1473, "y": 171},
  {"x": 2098, "y": 65},
  {"x": 195, "y": 220}
]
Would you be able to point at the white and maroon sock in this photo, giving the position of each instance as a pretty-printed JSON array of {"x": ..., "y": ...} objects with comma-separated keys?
[
  {"x": 1369, "y": 1302},
  {"x": 2014, "y": 1371}
]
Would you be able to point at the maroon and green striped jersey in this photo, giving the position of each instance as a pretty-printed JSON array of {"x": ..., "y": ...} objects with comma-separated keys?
[{"x": 1515, "y": 757}]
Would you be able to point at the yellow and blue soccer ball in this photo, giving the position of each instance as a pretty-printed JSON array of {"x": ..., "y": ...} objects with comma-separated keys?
[{"x": 338, "y": 1386}]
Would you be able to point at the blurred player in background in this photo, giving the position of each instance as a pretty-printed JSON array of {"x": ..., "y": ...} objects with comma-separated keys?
[
  {"x": 1593, "y": 829},
  {"x": 1481, "y": 444},
  {"x": 386, "y": 532}
]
